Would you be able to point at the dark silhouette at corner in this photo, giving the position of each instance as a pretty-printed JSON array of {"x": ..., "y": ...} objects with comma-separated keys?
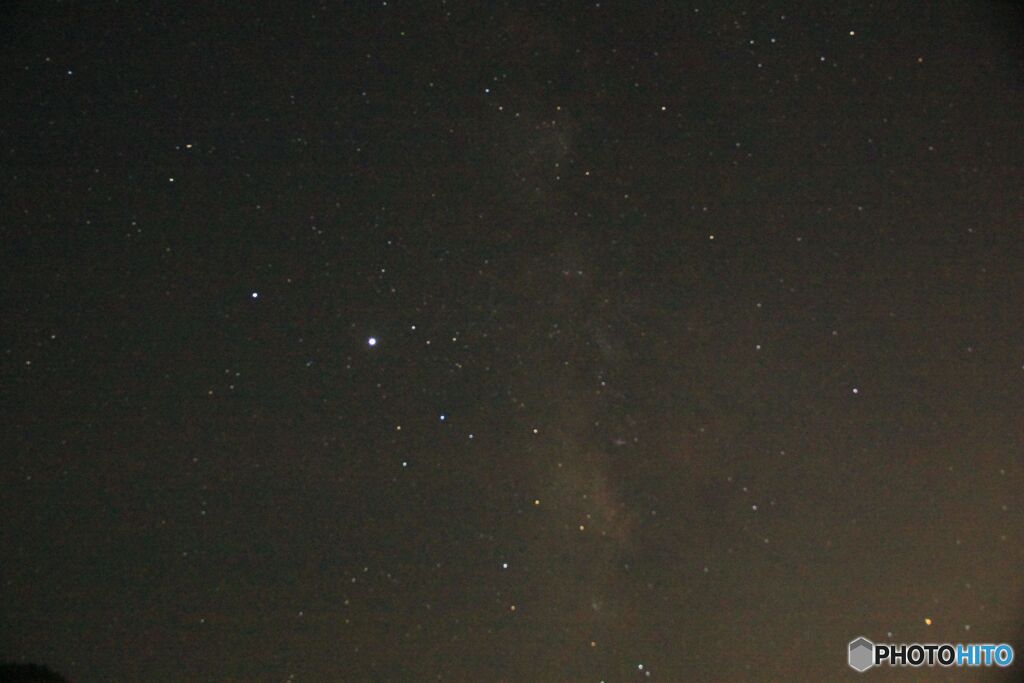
[{"x": 28, "y": 673}]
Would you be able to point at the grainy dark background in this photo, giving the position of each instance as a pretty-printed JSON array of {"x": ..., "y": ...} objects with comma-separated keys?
[{"x": 699, "y": 346}]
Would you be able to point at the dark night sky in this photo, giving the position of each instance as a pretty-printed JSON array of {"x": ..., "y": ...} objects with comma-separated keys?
[{"x": 699, "y": 338}]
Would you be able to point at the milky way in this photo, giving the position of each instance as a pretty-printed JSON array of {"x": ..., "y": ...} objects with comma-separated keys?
[{"x": 432, "y": 341}]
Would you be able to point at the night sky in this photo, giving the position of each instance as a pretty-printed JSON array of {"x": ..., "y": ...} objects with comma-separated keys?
[{"x": 503, "y": 341}]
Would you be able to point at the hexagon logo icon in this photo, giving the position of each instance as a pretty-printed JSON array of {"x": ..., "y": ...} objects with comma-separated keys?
[{"x": 862, "y": 654}]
